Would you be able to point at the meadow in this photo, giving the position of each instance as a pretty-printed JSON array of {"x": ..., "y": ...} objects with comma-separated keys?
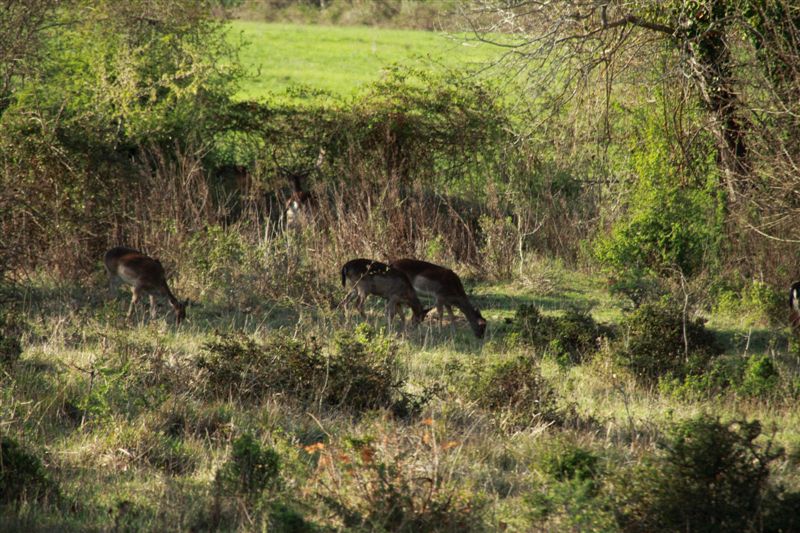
[{"x": 340, "y": 60}]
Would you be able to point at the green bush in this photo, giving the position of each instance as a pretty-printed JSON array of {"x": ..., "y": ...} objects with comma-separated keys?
[
  {"x": 710, "y": 476},
  {"x": 653, "y": 344},
  {"x": 22, "y": 475},
  {"x": 752, "y": 303},
  {"x": 517, "y": 392},
  {"x": 570, "y": 337},
  {"x": 250, "y": 469},
  {"x": 673, "y": 220},
  {"x": 569, "y": 498},
  {"x": 761, "y": 377},
  {"x": 359, "y": 371}
]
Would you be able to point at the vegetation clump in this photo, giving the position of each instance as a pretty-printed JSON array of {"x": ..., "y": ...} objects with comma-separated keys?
[
  {"x": 360, "y": 371},
  {"x": 22, "y": 475},
  {"x": 570, "y": 338},
  {"x": 251, "y": 467},
  {"x": 711, "y": 476},
  {"x": 659, "y": 340},
  {"x": 516, "y": 390}
]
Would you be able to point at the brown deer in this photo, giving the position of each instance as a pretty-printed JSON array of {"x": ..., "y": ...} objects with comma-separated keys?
[
  {"x": 794, "y": 305},
  {"x": 373, "y": 277},
  {"x": 144, "y": 274},
  {"x": 300, "y": 204},
  {"x": 445, "y": 287}
]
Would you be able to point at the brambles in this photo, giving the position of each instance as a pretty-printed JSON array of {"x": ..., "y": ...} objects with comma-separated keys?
[{"x": 395, "y": 483}]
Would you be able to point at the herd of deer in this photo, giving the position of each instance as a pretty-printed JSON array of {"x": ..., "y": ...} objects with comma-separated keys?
[{"x": 398, "y": 283}]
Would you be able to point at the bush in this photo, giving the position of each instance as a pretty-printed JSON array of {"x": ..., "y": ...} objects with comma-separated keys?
[
  {"x": 753, "y": 303},
  {"x": 22, "y": 475},
  {"x": 569, "y": 499},
  {"x": 517, "y": 390},
  {"x": 360, "y": 371},
  {"x": 760, "y": 377},
  {"x": 251, "y": 468},
  {"x": 653, "y": 342},
  {"x": 570, "y": 338},
  {"x": 711, "y": 476}
]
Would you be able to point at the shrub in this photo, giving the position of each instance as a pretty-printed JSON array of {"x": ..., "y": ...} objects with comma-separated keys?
[
  {"x": 711, "y": 476},
  {"x": 250, "y": 468},
  {"x": 570, "y": 338},
  {"x": 517, "y": 390},
  {"x": 638, "y": 287},
  {"x": 653, "y": 342},
  {"x": 569, "y": 499},
  {"x": 360, "y": 370},
  {"x": 22, "y": 475},
  {"x": 752, "y": 303},
  {"x": 760, "y": 376}
]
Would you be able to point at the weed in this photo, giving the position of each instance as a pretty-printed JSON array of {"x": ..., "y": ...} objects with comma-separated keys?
[{"x": 359, "y": 371}]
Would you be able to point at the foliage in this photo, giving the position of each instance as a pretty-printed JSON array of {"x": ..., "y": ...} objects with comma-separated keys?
[
  {"x": 251, "y": 468},
  {"x": 753, "y": 303},
  {"x": 571, "y": 338},
  {"x": 22, "y": 475},
  {"x": 569, "y": 497},
  {"x": 673, "y": 220},
  {"x": 516, "y": 391},
  {"x": 711, "y": 476},
  {"x": 358, "y": 372},
  {"x": 653, "y": 344}
]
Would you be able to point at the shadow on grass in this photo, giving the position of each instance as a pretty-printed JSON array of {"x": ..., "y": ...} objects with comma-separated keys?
[{"x": 757, "y": 340}]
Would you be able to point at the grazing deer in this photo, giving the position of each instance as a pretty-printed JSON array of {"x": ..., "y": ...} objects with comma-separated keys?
[
  {"x": 445, "y": 287},
  {"x": 145, "y": 275},
  {"x": 372, "y": 277},
  {"x": 794, "y": 305}
]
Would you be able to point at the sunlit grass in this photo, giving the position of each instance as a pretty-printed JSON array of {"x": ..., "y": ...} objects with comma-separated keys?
[{"x": 340, "y": 60}]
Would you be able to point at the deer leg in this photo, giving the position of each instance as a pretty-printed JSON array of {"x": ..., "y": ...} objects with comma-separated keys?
[
  {"x": 360, "y": 305},
  {"x": 152, "y": 307},
  {"x": 134, "y": 299},
  {"x": 450, "y": 312}
]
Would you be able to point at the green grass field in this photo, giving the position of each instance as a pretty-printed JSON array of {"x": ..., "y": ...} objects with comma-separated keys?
[{"x": 339, "y": 60}]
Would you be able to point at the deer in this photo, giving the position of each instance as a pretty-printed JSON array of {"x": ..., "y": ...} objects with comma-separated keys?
[
  {"x": 794, "y": 305},
  {"x": 300, "y": 203},
  {"x": 445, "y": 287},
  {"x": 367, "y": 277},
  {"x": 145, "y": 275}
]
